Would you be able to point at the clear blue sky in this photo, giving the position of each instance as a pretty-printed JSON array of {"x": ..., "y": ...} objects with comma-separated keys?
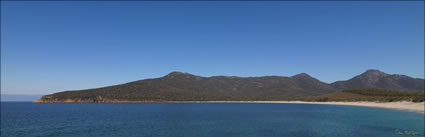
[{"x": 54, "y": 46}]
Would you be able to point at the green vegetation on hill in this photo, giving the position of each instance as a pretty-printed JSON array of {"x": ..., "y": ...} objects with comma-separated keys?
[
  {"x": 178, "y": 86},
  {"x": 365, "y": 94}
]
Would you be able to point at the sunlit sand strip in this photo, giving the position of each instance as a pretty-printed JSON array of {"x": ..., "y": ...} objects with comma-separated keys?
[{"x": 403, "y": 105}]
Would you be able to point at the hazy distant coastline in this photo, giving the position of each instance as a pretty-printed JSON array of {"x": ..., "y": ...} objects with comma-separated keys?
[{"x": 19, "y": 97}]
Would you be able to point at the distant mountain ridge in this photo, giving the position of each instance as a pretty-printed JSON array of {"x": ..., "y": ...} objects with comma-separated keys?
[
  {"x": 179, "y": 86},
  {"x": 376, "y": 79}
]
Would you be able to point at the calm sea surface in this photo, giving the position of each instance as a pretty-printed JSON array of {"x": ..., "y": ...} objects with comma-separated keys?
[{"x": 24, "y": 119}]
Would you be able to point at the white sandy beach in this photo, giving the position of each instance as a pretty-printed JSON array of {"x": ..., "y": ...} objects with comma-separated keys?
[
  {"x": 409, "y": 106},
  {"x": 403, "y": 105}
]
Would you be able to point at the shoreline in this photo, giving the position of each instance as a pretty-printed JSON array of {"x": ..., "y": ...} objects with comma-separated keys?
[{"x": 400, "y": 105}]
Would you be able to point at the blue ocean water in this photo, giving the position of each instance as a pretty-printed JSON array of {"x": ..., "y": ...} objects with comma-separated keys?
[{"x": 25, "y": 119}]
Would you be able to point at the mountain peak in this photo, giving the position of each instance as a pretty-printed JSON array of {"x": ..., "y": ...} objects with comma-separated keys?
[
  {"x": 374, "y": 73},
  {"x": 177, "y": 74},
  {"x": 302, "y": 75},
  {"x": 374, "y": 78}
]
